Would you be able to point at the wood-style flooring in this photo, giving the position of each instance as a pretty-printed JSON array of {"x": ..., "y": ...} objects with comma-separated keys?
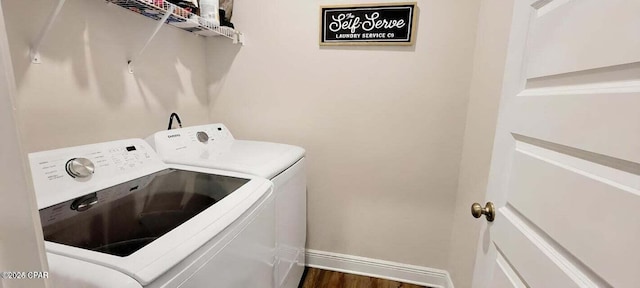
[{"x": 317, "y": 278}]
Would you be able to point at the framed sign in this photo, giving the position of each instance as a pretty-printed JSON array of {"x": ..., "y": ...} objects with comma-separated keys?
[{"x": 368, "y": 24}]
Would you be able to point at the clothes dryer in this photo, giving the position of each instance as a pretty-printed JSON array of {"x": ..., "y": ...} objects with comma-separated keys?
[{"x": 213, "y": 146}]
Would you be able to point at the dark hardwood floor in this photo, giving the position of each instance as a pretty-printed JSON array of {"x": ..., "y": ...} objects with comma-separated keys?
[{"x": 317, "y": 278}]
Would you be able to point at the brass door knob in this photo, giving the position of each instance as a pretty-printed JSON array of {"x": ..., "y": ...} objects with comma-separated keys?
[{"x": 489, "y": 211}]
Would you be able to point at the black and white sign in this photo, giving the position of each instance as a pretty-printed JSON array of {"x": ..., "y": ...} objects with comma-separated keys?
[{"x": 368, "y": 24}]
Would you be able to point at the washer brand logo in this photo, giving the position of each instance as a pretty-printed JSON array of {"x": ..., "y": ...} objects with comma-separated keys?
[{"x": 173, "y": 136}]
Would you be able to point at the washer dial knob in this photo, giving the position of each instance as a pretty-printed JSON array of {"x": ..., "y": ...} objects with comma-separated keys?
[
  {"x": 202, "y": 137},
  {"x": 80, "y": 167}
]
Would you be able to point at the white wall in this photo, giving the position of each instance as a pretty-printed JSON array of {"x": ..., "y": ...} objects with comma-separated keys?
[
  {"x": 21, "y": 245},
  {"x": 383, "y": 126},
  {"x": 484, "y": 97},
  {"x": 82, "y": 92}
]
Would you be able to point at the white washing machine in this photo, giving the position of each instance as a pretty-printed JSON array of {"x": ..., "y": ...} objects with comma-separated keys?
[
  {"x": 115, "y": 215},
  {"x": 214, "y": 146}
]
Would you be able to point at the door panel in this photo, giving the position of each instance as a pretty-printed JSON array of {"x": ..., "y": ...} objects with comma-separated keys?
[
  {"x": 504, "y": 276},
  {"x": 585, "y": 30},
  {"x": 580, "y": 205},
  {"x": 536, "y": 258},
  {"x": 576, "y": 120},
  {"x": 565, "y": 172}
]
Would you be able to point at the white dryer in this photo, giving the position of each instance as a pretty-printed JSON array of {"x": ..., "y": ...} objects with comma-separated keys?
[
  {"x": 213, "y": 146},
  {"x": 114, "y": 215}
]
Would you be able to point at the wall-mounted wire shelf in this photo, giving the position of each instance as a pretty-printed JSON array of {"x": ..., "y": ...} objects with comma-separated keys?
[{"x": 180, "y": 18}]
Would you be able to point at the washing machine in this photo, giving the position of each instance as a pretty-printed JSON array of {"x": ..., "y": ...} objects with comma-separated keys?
[
  {"x": 213, "y": 146},
  {"x": 114, "y": 215}
]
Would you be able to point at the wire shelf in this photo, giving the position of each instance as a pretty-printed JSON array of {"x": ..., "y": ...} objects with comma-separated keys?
[{"x": 180, "y": 18}]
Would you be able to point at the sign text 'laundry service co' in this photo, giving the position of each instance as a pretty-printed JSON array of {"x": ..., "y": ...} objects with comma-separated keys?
[{"x": 368, "y": 24}]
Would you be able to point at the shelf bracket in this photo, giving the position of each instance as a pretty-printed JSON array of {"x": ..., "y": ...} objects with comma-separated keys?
[
  {"x": 153, "y": 35},
  {"x": 34, "y": 52},
  {"x": 238, "y": 38}
]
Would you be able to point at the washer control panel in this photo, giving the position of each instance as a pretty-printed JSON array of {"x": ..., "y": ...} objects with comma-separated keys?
[{"x": 57, "y": 173}]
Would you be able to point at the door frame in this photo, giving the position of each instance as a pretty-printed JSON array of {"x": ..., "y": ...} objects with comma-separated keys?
[{"x": 22, "y": 243}]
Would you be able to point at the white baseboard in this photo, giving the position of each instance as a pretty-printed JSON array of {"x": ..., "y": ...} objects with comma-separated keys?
[{"x": 412, "y": 274}]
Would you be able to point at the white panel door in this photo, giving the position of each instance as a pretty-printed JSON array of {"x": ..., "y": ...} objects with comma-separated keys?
[{"x": 565, "y": 173}]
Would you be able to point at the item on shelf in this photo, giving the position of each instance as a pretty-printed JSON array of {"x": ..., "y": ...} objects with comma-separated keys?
[
  {"x": 189, "y": 6},
  {"x": 209, "y": 11},
  {"x": 224, "y": 21},
  {"x": 227, "y": 7},
  {"x": 180, "y": 18}
]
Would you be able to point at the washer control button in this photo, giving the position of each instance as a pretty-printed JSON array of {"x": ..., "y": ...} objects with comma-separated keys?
[
  {"x": 202, "y": 137},
  {"x": 80, "y": 167}
]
